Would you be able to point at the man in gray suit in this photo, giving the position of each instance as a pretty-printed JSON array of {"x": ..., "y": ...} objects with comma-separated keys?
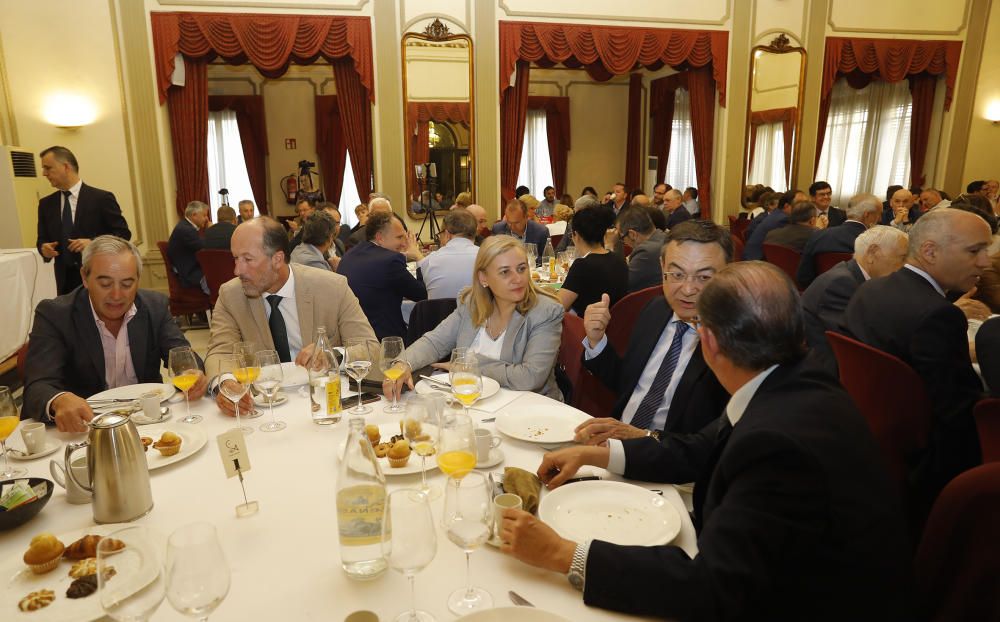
[
  {"x": 317, "y": 240},
  {"x": 636, "y": 229}
]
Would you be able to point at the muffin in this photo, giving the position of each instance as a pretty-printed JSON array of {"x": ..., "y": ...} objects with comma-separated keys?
[
  {"x": 399, "y": 455},
  {"x": 168, "y": 445},
  {"x": 411, "y": 428},
  {"x": 374, "y": 436},
  {"x": 43, "y": 553}
]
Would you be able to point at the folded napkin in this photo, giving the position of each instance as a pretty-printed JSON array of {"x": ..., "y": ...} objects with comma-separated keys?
[{"x": 524, "y": 484}]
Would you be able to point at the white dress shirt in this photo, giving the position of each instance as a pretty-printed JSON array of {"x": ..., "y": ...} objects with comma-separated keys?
[
  {"x": 288, "y": 312},
  {"x": 448, "y": 271},
  {"x": 74, "y": 198}
]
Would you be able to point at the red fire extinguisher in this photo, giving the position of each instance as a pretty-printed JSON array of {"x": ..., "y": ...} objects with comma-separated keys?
[{"x": 290, "y": 186}]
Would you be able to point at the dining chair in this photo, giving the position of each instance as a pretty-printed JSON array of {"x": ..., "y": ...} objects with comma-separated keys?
[
  {"x": 825, "y": 261},
  {"x": 785, "y": 258},
  {"x": 22, "y": 358},
  {"x": 218, "y": 266},
  {"x": 739, "y": 227},
  {"x": 555, "y": 238},
  {"x": 738, "y": 246},
  {"x": 624, "y": 314},
  {"x": 987, "y": 415},
  {"x": 426, "y": 315},
  {"x": 183, "y": 300},
  {"x": 587, "y": 392}
]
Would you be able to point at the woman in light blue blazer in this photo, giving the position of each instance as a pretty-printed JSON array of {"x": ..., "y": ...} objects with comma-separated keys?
[{"x": 512, "y": 325}]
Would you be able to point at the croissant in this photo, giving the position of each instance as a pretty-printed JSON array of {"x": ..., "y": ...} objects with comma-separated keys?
[{"x": 87, "y": 547}]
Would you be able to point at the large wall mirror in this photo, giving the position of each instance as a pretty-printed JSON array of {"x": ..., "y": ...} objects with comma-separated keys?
[
  {"x": 774, "y": 114},
  {"x": 439, "y": 111}
]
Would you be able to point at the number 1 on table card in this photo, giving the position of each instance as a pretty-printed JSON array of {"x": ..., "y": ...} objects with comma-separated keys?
[{"x": 235, "y": 461}]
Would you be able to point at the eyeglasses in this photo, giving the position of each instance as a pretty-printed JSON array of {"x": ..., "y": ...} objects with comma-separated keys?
[{"x": 681, "y": 277}]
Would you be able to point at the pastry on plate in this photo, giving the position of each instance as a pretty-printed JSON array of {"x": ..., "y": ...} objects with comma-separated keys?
[
  {"x": 36, "y": 600},
  {"x": 87, "y": 547},
  {"x": 83, "y": 567},
  {"x": 399, "y": 455},
  {"x": 374, "y": 436},
  {"x": 82, "y": 587},
  {"x": 168, "y": 445},
  {"x": 43, "y": 553},
  {"x": 146, "y": 442},
  {"x": 382, "y": 449}
]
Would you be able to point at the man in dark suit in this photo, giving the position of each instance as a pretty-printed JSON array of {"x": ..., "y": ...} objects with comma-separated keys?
[
  {"x": 635, "y": 228},
  {"x": 185, "y": 241},
  {"x": 822, "y": 195},
  {"x": 776, "y": 219},
  {"x": 673, "y": 207},
  {"x": 246, "y": 211},
  {"x": 796, "y": 515},
  {"x": 70, "y": 218},
  {"x": 908, "y": 315},
  {"x": 863, "y": 211},
  {"x": 516, "y": 223},
  {"x": 106, "y": 334},
  {"x": 663, "y": 383},
  {"x": 376, "y": 272},
  {"x": 878, "y": 252},
  {"x": 801, "y": 224},
  {"x": 220, "y": 234}
]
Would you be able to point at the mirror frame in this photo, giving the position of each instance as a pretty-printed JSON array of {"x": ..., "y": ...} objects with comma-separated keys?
[
  {"x": 437, "y": 32},
  {"x": 779, "y": 45}
]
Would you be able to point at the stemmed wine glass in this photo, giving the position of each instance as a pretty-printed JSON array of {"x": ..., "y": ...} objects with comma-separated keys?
[
  {"x": 268, "y": 382},
  {"x": 197, "y": 571},
  {"x": 358, "y": 357},
  {"x": 9, "y": 420},
  {"x": 409, "y": 542},
  {"x": 184, "y": 374},
  {"x": 236, "y": 387},
  {"x": 393, "y": 366},
  {"x": 248, "y": 350},
  {"x": 419, "y": 415},
  {"x": 467, "y": 513},
  {"x": 130, "y": 579},
  {"x": 466, "y": 381},
  {"x": 456, "y": 448}
]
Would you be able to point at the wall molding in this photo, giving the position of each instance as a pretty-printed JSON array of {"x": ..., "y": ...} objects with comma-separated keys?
[
  {"x": 902, "y": 35},
  {"x": 562, "y": 17},
  {"x": 465, "y": 24},
  {"x": 767, "y": 36},
  {"x": 358, "y": 5},
  {"x": 129, "y": 146},
  {"x": 253, "y": 84}
]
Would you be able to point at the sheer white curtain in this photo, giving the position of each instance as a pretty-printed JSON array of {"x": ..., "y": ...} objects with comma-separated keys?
[
  {"x": 349, "y": 198},
  {"x": 226, "y": 166},
  {"x": 680, "y": 161},
  {"x": 769, "y": 157},
  {"x": 536, "y": 167},
  {"x": 867, "y": 144}
]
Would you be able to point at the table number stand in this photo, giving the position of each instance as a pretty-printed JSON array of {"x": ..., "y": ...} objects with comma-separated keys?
[{"x": 236, "y": 460}]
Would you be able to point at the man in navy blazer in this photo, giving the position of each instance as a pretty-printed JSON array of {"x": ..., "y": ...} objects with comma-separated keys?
[
  {"x": 376, "y": 272},
  {"x": 821, "y": 194},
  {"x": 776, "y": 219},
  {"x": 516, "y": 223},
  {"x": 186, "y": 240},
  {"x": 65, "y": 230},
  {"x": 863, "y": 211}
]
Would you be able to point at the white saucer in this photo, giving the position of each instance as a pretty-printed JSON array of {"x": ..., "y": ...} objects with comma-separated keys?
[
  {"x": 279, "y": 399},
  {"x": 140, "y": 418},
  {"x": 52, "y": 445},
  {"x": 496, "y": 457}
]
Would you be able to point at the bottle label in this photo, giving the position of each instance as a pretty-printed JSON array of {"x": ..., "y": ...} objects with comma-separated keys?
[
  {"x": 359, "y": 514},
  {"x": 333, "y": 395}
]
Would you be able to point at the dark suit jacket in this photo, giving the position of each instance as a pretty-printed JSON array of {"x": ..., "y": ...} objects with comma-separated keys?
[
  {"x": 678, "y": 216},
  {"x": 219, "y": 235},
  {"x": 830, "y": 240},
  {"x": 378, "y": 277},
  {"x": 97, "y": 213},
  {"x": 835, "y": 216},
  {"x": 825, "y": 305},
  {"x": 698, "y": 399},
  {"x": 793, "y": 236},
  {"x": 65, "y": 353},
  {"x": 644, "y": 268},
  {"x": 754, "y": 249},
  {"x": 535, "y": 233},
  {"x": 797, "y": 518},
  {"x": 904, "y": 315},
  {"x": 185, "y": 241}
]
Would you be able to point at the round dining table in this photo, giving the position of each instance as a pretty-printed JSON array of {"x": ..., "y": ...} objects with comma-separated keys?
[{"x": 284, "y": 559}]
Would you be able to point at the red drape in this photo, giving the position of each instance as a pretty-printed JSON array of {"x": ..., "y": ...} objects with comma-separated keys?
[
  {"x": 249, "y": 111},
  {"x": 633, "y": 134},
  {"x": 418, "y": 118},
  {"x": 269, "y": 42},
  {"x": 606, "y": 51},
  {"x": 702, "y": 92},
  {"x": 513, "y": 114},
  {"x": 661, "y": 110},
  {"x": 187, "y": 108},
  {"x": 330, "y": 146},
  {"x": 557, "y": 132},
  {"x": 922, "y": 89},
  {"x": 786, "y": 116},
  {"x": 356, "y": 121}
]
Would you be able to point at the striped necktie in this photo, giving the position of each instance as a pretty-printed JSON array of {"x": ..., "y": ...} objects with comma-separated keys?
[{"x": 643, "y": 417}]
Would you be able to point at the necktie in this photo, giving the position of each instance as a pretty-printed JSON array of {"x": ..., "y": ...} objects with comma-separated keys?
[
  {"x": 278, "y": 333},
  {"x": 67, "y": 217},
  {"x": 643, "y": 417}
]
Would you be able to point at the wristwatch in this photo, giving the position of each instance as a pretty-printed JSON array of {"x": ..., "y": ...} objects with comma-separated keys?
[
  {"x": 577, "y": 574},
  {"x": 654, "y": 433}
]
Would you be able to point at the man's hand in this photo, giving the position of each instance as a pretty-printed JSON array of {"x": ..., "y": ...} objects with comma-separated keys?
[
  {"x": 901, "y": 216},
  {"x": 558, "y": 466},
  {"x": 413, "y": 248},
  {"x": 71, "y": 413},
  {"x": 533, "y": 542},
  {"x": 49, "y": 250},
  {"x": 77, "y": 245},
  {"x": 611, "y": 239},
  {"x": 393, "y": 389},
  {"x": 302, "y": 360},
  {"x": 197, "y": 390},
  {"x": 293, "y": 226},
  {"x": 595, "y": 320},
  {"x": 226, "y": 406},
  {"x": 822, "y": 221},
  {"x": 973, "y": 309},
  {"x": 597, "y": 431}
]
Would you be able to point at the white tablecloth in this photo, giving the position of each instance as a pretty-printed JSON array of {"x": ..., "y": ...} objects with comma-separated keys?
[
  {"x": 24, "y": 281},
  {"x": 285, "y": 561}
]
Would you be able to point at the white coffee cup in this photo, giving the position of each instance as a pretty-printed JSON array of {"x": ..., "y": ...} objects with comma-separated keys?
[
  {"x": 485, "y": 442},
  {"x": 151, "y": 405},
  {"x": 74, "y": 494},
  {"x": 33, "y": 434},
  {"x": 501, "y": 502}
]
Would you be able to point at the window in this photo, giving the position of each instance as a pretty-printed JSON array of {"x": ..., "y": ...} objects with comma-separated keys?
[
  {"x": 867, "y": 143},
  {"x": 349, "y": 198},
  {"x": 680, "y": 161},
  {"x": 769, "y": 157},
  {"x": 536, "y": 168},
  {"x": 226, "y": 166}
]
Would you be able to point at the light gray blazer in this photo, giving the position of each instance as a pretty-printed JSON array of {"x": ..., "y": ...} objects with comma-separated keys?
[
  {"x": 309, "y": 255},
  {"x": 528, "y": 355}
]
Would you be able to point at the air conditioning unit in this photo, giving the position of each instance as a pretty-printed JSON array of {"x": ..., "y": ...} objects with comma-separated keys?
[{"x": 21, "y": 186}]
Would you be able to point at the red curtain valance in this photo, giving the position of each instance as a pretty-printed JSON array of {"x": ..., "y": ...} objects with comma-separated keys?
[
  {"x": 269, "y": 42},
  {"x": 891, "y": 59},
  {"x": 774, "y": 115},
  {"x": 607, "y": 51}
]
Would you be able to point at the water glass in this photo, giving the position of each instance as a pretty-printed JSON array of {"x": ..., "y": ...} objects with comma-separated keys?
[
  {"x": 409, "y": 542},
  {"x": 468, "y": 514},
  {"x": 358, "y": 357},
  {"x": 393, "y": 366},
  {"x": 420, "y": 423},
  {"x": 235, "y": 387},
  {"x": 197, "y": 572},
  {"x": 268, "y": 382}
]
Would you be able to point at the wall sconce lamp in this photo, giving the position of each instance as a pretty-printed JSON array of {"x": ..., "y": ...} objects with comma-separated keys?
[
  {"x": 69, "y": 111},
  {"x": 993, "y": 112}
]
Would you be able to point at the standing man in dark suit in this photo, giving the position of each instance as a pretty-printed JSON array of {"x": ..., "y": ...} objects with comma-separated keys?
[
  {"x": 185, "y": 241},
  {"x": 863, "y": 211},
  {"x": 106, "y": 334},
  {"x": 796, "y": 515},
  {"x": 829, "y": 215},
  {"x": 516, "y": 223},
  {"x": 220, "y": 234},
  {"x": 70, "y": 218},
  {"x": 376, "y": 272},
  {"x": 878, "y": 252},
  {"x": 635, "y": 228},
  {"x": 663, "y": 383},
  {"x": 908, "y": 315}
]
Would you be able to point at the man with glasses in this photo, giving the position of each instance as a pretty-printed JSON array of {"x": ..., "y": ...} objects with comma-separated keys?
[
  {"x": 822, "y": 196},
  {"x": 635, "y": 228},
  {"x": 663, "y": 382}
]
